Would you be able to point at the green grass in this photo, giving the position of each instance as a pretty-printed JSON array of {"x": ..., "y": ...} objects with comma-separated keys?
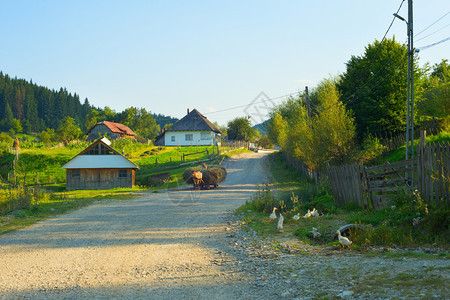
[
  {"x": 59, "y": 203},
  {"x": 292, "y": 193},
  {"x": 399, "y": 154},
  {"x": 56, "y": 200},
  {"x": 169, "y": 156}
]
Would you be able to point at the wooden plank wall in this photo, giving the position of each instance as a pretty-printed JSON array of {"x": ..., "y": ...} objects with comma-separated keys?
[
  {"x": 95, "y": 179},
  {"x": 347, "y": 184},
  {"x": 385, "y": 181},
  {"x": 433, "y": 172},
  {"x": 373, "y": 187}
]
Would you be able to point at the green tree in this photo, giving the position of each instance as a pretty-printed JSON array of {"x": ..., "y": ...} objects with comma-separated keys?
[
  {"x": 8, "y": 118},
  {"x": 435, "y": 102},
  {"x": 140, "y": 121},
  {"x": 277, "y": 129},
  {"x": 265, "y": 142},
  {"x": 47, "y": 136},
  {"x": 240, "y": 129},
  {"x": 441, "y": 71},
  {"x": 68, "y": 131},
  {"x": 332, "y": 127},
  {"x": 222, "y": 128},
  {"x": 374, "y": 88},
  {"x": 16, "y": 126},
  {"x": 326, "y": 134}
]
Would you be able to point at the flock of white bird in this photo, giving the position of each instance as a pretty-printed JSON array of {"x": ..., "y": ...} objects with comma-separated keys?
[{"x": 315, "y": 232}]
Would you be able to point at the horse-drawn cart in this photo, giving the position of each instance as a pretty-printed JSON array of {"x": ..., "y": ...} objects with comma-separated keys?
[{"x": 204, "y": 179}]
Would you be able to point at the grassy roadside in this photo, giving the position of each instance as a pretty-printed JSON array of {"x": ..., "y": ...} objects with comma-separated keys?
[
  {"x": 52, "y": 200},
  {"x": 292, "y": 193}
]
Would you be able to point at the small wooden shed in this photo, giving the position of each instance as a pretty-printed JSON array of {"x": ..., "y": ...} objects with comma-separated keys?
[{"x": 99, "y": 167}]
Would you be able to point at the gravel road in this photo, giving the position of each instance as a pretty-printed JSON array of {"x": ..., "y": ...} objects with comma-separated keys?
[{"x": 187, "y": 244}]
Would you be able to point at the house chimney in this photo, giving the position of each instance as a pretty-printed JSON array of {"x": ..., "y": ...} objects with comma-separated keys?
[{"x": 188, "y": 111}]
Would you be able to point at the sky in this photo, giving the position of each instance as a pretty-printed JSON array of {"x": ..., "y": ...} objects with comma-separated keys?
[{"x": 227, "y": 59}]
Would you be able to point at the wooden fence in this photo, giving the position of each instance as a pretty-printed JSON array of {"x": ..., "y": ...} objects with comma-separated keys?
[
  {"x": 433, "y": 172},
  {"x": 373, "y": 187},
  {"x": 230, "y": 145},
  {"x": 347, "y": 184},
  {"x": 392, "y": 141},
  {"x": 299, "y": 165}
]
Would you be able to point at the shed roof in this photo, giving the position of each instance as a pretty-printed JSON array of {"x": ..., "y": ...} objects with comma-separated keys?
[
  {"x": 99, "y": 162},
  {"x": 194, "y": 121}
]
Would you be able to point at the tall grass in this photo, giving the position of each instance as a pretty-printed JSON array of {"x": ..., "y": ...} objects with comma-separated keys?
[{"x": 20, "y": 198}]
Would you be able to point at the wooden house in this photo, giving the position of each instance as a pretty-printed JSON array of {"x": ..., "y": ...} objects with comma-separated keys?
[
  {"x": 194, "y": 129},
  {"x": 113, "y": 130},
  {"x": 99, "y": 166}
]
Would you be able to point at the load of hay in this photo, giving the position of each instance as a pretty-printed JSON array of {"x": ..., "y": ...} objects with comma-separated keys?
[{"x": 211, "y": 176}]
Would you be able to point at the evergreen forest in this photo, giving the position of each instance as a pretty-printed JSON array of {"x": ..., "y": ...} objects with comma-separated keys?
[{"x": 26, "y": 107}]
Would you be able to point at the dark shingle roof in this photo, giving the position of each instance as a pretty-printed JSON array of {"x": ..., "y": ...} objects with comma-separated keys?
[{"x": 194, "y": 121}]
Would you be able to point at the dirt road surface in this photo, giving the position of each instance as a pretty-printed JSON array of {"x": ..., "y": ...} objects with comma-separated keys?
[
  {"x": 185, "y": 244},
  {"x": 170, "y": 244}
]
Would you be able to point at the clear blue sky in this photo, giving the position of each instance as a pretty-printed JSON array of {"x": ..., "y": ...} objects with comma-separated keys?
[{"x": 167, "y": 56}]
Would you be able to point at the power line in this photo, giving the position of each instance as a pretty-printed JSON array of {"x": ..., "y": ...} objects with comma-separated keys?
[
  {"x": 432, "y": 24},
  {"x": 377, "y": 47},
  {"x": 393, "y": 19},
  {"x": 433, "y": 32},
  {"x": 434, "y": 44},
  {"x": 257, "y": 102}
]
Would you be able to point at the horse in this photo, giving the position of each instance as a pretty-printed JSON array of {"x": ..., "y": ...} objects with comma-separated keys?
[{"x": 197, "y": 178}]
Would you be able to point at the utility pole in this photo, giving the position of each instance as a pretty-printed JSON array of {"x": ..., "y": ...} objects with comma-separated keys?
[
  {"x": 410, "y": 94},
  {"x": 308, "y": 106}
]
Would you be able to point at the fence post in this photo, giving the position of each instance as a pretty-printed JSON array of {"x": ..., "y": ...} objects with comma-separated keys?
[
  {"x": 420, "y": 161},
  {"x": 156, "y": 162}
]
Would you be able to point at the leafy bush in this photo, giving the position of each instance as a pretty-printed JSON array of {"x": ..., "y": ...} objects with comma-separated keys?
[
  {"x": 370, "y": 149},
  {"x": 263, "y": 201},
  {"x": 20, "y": 198},
  {"x": 6, "y": 139}
]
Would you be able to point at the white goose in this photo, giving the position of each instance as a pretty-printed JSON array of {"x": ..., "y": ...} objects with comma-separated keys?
[
  {"x": 343, "y": 240},
  {"x": 315, "y": 232},
  {"x": 273, "y": 215},
  {"x": 307, "y": 215},
  {"x": 296, "y": 217},
  {"x": 314, "y": 213},
  {"x": 280, "y": 223}
]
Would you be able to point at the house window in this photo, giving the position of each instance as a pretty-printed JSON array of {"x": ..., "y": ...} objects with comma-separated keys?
[
  {"x": 205, "y": 136},
  {"x": 122, "y": 173},
  {"x": 189, "y": 137},
  {"x": 76, "y": 173},
  {"x": 172, "y": 138}
]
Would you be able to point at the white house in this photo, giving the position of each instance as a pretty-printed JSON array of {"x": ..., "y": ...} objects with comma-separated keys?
[{"x": 194, "y": 129}]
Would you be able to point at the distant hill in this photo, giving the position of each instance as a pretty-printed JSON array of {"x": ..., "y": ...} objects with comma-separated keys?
[
  {"x": 29, "y": 108},
  {"x": 263, "y": 127}
]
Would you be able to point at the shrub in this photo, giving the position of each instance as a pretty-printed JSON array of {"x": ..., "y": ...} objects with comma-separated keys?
[
  {"x": 370, "y": 149},
  {"x": 20, "y": 198},
  {"x": 263, "y": 200}
]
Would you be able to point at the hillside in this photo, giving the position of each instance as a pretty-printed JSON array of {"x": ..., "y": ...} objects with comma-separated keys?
[
  {"x": 29, "y": 108},
  {"x": 37, "y": 107}
]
